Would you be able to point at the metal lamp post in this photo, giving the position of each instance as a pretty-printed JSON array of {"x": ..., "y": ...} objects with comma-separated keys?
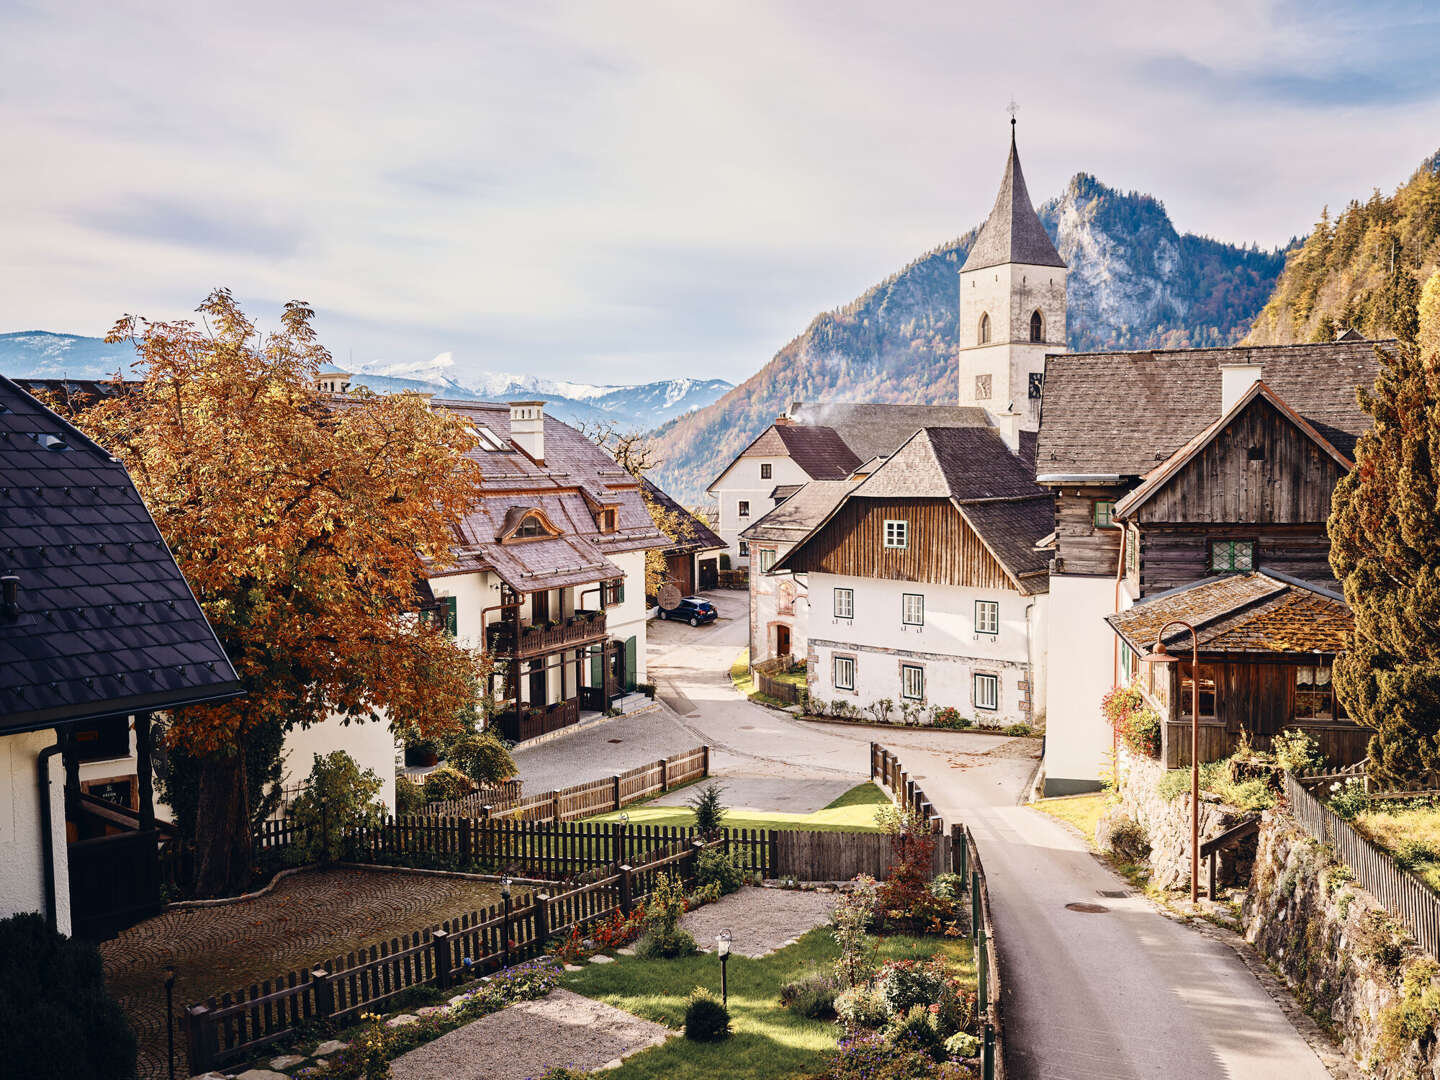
[
  {"x": 1158, "y": 655},
  {"x": 170, "y": 1019},
  {"x": 722, "y": 947}
]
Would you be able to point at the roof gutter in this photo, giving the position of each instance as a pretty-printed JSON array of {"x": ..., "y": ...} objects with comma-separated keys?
[
  {"x": 47, "y": 836},
  {"x": 1078, "y": 478}
]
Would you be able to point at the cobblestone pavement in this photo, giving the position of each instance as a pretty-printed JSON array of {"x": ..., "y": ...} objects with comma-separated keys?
[{"x": 306, "y": 919}]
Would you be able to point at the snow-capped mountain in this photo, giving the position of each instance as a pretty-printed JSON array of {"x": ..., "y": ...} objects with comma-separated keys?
[{"x": 40, "y": 354}]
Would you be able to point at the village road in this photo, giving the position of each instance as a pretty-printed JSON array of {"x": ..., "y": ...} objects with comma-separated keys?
[{"x": 1126, "y": 994}]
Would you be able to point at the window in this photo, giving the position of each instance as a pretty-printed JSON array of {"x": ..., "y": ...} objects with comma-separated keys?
[
  {"x": 912, "y": 609},
  {"x": 982, "y": 387},
  {"x": 843, "y": 672},
  {"x": 443, "y": 614},
  {"x": 1207, "y": 691},
  {"x": 614, "y": 593},
  {"x": 767, "y": 559},
  {"x": 488, "y": 440},
  {"x": 1103, "y": 513},
  {"x": 912, "y": 682},
  {"x": 897, "y": 533},
  {"x": 987, "y": 691},
  {"x": 1314, "y": 694},
  {"x": 765, "y": 471},
  {"x": 532, "y": 526},
  {"x": 1037, "y": 326},
  {"x": 1232, "y": 556},
  {"x": 983, "y": 337},
  {"x": 987, "y": 616},
  {"x": 744, "y": 549},
  {"x": 1132, "y": 552},
  {"x": 608, "y": 520},
  {"x": 744, "y": 507},
  {"x": 1127, "y": 663},
  {"x": 844, "y": 603}
]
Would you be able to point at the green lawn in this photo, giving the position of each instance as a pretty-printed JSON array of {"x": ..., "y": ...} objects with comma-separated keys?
[
  {"x": 1081, "y": 811},
  {"x": 1413, "y": 832},
  {"x": 769, "y": 1042},
  {"x": 855, "y": 810}
]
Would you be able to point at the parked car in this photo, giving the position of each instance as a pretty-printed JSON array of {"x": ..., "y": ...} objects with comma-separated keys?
[{"x": 692, "y": 609}]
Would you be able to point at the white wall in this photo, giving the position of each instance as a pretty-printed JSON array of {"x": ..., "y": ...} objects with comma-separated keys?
[
  {"x": 371, "y": 744},
  {"x": 1009, "y": 294},
  {"x": 946, "y": 646},
  {"x": 22, "y": 867},
  {"x": 630, "y": 618},
  {"x": 766, "y": 591},
  {"x": 1081, "y": 671},
  {"x": 742, "y": 482}
]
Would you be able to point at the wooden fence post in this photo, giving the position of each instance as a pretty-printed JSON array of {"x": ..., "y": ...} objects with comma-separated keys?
[
  {"x": 872, "y": 762},
  {"x": 627, "y": 889},
  {"x": 441, "y": 941},
  {"x": 466, "y": 842},
  {"x": 664, "y": 776},
  {"x": 203, "y": 1038},
  {"x": 615, "y": 791},
  {"x": 542, "y": 920},
  {"x": 957, "y": 850},
  {"x": 324, "y": 993},
  {"x": 772, "y": 854},
  {"x": 987, "y": 1053},
  {"x": 617, "y": 842},
  {"x": 555, "y": 807},
  {"x": 705, "y": 761}
]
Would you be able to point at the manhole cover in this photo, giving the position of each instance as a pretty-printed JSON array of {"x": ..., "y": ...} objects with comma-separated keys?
[
  {"x": 1112, "y": 894},
  {"x": 615, "y": 740},
  {"x": 747, "y": 727},
  {"x": 1087, "y": 908}
]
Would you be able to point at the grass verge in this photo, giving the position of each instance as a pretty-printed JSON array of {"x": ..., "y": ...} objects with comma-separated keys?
[
  {"x": 854, "y": 810},
  {"x": 769, "y": 1041},
  {"x": 1081, "y": 811}
]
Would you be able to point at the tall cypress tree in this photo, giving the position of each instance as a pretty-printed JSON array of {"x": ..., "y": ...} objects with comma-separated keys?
[{"x": 1385, "y": 548}]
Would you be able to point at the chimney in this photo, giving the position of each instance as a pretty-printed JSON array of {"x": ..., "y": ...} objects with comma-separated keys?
[
  {"x": 1007, "y": 424},
  {"x": 1235, "y": 379},
  {"x": 527, "y": 427}
]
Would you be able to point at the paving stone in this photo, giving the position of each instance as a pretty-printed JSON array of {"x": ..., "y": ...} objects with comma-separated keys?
[
  {"x": 573, "y": 967},
  {"x": 331, "y": 1046},
  {"x": 402, "y": 1020},
  {"x": 261, "y": 1074},
  {"x": 209, "y": 1076},
  {"x": 628, "y": 950},
  {"x": 321, "y": 1063},
  {"x": 613, "y": 1063},
  {"x": 285, "y": 1061},
  {"x": 431, "y": 1010},
  {"x": 456, "y": 1000},
  {"x": 601, "y": 958}
]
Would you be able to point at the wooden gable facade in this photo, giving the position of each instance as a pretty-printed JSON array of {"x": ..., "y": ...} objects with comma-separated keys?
[{"x": 941, "y": 547}]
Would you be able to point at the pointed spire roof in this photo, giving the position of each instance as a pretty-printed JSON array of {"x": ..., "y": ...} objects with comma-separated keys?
[{"x": 1012, "y": 233}]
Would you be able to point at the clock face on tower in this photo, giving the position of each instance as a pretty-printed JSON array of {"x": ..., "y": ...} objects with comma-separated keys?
[{"x": 1037, "y": 384}]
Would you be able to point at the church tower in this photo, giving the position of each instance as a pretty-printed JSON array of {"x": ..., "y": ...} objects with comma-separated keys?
[{"x": 1012, "y": 309}]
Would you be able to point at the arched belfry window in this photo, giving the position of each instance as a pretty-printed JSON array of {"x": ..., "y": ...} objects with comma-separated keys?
[
  {"x": 984, "y": 336},
  {"x": 1037, "y": 326}
]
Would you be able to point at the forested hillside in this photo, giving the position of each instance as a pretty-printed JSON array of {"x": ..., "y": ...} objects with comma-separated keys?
[
  {"x": 1357, "y": 269},
  {"x": 1134, "y": 281}
]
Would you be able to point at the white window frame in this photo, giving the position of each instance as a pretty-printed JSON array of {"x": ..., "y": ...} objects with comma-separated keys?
[
  {"x": 767, "y": 559},
  {"x": 907, "y": 671},
  {"x": 838, "y": 663},
  {"x": 849, "y": 606},
  {"x": 909, "y": 617},
  {"x": 987, "y": 625},
  {"x": 991, "y": 692},
  {"x": 897, "y": 533}
]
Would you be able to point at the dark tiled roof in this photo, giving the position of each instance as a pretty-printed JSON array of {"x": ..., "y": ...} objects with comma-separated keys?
[
  {"x": 794, "y": 518},
  {"x": 107, "y": 623},
  {"x": 1012, "y": 233},
  {"x": 1243, "y": 613},
  {"x": 1011, "y": 528},
  {"x": 781, "y": 492},
  {"x": 695, "y": 535},
  {"x": 1125, "y": 413},
  {"x": 877, "y": 430},
  {"x": 820, "y": 451}
]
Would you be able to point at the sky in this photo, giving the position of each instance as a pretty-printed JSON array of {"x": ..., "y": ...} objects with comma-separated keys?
[{"x": 625, "y": 191}]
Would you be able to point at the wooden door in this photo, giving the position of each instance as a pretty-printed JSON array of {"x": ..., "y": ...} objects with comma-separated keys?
[{"x": 782, "y": 640}]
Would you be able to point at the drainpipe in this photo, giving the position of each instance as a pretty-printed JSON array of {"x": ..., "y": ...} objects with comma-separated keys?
[
  {"x": 47, "y": 837},
  {"x": 1030, "y": 654}
]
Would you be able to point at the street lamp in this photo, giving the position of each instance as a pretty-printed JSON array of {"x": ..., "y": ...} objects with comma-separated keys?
[
  {"x": 722, "y": 947},
  {"x": 1158, "y": 655},
  {"x": 170, "y": 1019}
]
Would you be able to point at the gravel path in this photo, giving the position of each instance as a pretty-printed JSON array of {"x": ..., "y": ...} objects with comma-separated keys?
[
  {"x": 759, "y": 920},
  {"x": 526, "y": 1040}
]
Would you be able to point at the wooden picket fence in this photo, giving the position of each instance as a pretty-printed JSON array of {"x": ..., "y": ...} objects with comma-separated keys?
[
  {"x": 1402, "y": 893},
  {"x": 583, "y": 800},
  {"x": 233, "y": 1027},
  {"x": 768, "y": 684},
  {"x": 890, "y": 775}
]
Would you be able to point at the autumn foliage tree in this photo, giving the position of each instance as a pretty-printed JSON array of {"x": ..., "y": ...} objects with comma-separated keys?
[
  {"x": 1385, "y": 548},
  {"x": 635, "y": 453},
  {"x": 304, "y": 526}
]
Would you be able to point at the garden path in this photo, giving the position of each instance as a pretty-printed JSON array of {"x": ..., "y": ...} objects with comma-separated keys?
[
  {"x": 759, "y": 920},
  {"x": 307, "y": 918}
]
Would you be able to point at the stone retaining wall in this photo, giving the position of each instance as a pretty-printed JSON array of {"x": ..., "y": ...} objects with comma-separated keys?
[{"x": 1344, "y": 957}]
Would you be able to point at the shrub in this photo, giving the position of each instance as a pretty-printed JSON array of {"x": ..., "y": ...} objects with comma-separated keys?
[
  {"x": 869, "y": 1057},
  {"x": 1020, "y": 730},
  {"x": 811, "y": 996},
  {"x": 715, "y": 867},
  {"x": 1137, "y": 724},
  {"x": 948, "y": 718},
  {"x": 948, "y": 887},
  {"x": 368, "y": 1055},
  {"x": 703, "y": 894},
  {"x": 409, "y": 796},
  {"x": 903, "y": 984},
  {"x": 1297, "y": 752},
  {"x": 481, "y": 757},
  {"x": 1350, "y": 799},
  {"x": 962, "y": 1045},
  {"x": 57, "y": 1018},
  {"x": 338, "y": 799},
  {"x": 881, "y": 709},
  {"x": 709, "y": 810},
  {"x": 916, "y": 1032},
  {"x": 1123, "y": 837},
  {"x": 706, "y": 1020},
  {"x": 849, "y": 919},
  {"x": 1382, "y": 940},
  {"x": 861, "y": 1007},
  {"x": 662, "y": 938},
  {"x": 904, "y": 900},
  {"x": 447, "y": 783},
  {"x": 1411, "y": 853}
]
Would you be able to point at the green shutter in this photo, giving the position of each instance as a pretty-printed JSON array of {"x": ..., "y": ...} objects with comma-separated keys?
[
  {"x": 631, "y": 653},
  {"x": 597, "y": 667},
  {"x": 620, "y": 595},
  {"x": 451, "y": 622}
]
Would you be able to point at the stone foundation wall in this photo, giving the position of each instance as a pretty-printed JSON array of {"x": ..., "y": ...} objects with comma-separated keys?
[
  {"x": 1167, "y": 823},
  {"x": 1347, "y": 961}
]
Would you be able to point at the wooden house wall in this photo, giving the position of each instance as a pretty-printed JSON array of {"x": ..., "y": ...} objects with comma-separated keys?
[
  {"x": 1079, "y": 545},
  {"x": 1176, "y": 555},
  {"x": 942, "y": 549},
  {"x": 1289, "y": 482}
]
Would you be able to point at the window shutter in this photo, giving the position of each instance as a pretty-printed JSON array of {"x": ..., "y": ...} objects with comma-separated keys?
[{"x": 449, "y": 615}]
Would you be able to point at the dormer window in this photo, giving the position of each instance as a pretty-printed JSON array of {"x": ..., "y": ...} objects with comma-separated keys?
[
  {"x": 488, "y": 440},
  {"x": 527, "y": 523},
  {"x": 531, "y": 527},
  {"x": 607, "y": 519}
]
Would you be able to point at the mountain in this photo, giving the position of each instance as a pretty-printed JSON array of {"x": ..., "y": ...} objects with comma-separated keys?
[
  {"x": 41, "y": 354},
  {"x": 1349, "y": 272},
  {"x": 1134, "y": 281}
]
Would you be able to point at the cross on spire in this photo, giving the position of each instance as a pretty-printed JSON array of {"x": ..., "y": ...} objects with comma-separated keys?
[{"x": 1012, "y": 109}]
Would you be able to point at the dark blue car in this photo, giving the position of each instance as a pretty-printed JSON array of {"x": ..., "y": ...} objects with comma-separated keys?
[{"x": 692, "y": 609}]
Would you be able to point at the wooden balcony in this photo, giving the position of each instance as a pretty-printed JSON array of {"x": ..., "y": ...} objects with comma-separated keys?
[
  {"x": 582, "y": 628},
  {"x": 527, "y": 722},
  {"x": 1341, "y": 741}
]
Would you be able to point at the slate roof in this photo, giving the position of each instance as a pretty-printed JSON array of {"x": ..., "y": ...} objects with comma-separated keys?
[
  {"x": 695, "y": 535},
  {"x": 877, "y": 430},
  {"x": 1124, "y": 413},
  {"x": 576, "y": 477},
  {"x": 802, "y": 512},
  {"x": 781, "y": 492},
  {"x": 1242, "y": 613},
  {"x": 1012, "y": 233},
  {"x": 818, "y": 450},
  {"x": 107, "y": 624}
]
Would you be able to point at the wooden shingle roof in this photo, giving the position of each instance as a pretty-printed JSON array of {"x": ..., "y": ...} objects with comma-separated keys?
[
  {"x": 1124, "y": 413},
  {"x": 106, "y": 623},
  {"x": 803, "y": 511}
]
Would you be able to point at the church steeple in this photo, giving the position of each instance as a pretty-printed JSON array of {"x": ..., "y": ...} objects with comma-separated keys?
[{"x": 1012, "y": 308}]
